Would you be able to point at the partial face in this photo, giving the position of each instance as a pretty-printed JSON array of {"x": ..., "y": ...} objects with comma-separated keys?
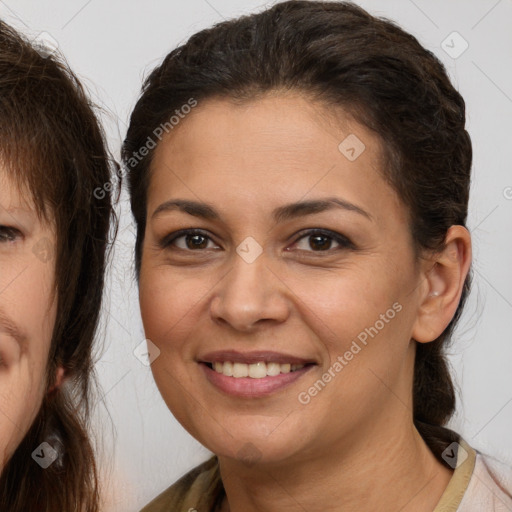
[
  {"x": 278, "y": 280},
  {"x": 27, "y": 314}
]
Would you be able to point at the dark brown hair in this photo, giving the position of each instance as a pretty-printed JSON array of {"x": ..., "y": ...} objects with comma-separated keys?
[
  {"x": 337, "y": 53},
  {"x": 52, "y": 146}
]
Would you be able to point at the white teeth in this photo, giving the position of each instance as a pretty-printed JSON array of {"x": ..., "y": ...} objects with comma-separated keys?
[
  {"x": 256, "y": 370},
  {"x": 240, "y": 370},
  {"x": 227, "y": 369},
  {"x": 273, "y": 369}
]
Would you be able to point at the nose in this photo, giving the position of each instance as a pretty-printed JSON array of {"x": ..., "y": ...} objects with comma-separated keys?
[{"x": 250, "y": 295}]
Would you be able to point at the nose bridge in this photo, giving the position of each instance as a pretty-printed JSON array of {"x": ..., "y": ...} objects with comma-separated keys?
[{"x": 249, "y": 292}]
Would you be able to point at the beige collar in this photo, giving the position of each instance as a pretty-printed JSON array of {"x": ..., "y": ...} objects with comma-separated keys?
[{"x": 454, "y": 492}]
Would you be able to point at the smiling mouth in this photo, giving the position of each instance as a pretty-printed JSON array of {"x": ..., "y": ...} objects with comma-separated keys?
[
  {"x": 258, "y": 370},
  {"x": 254, "y": 374}
]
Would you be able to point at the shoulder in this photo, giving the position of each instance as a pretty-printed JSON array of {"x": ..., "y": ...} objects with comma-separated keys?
[
  {"x": 479, "y": 482},
  {"x": 200, "y": 489},
  {"x": 490, "y": 487}
]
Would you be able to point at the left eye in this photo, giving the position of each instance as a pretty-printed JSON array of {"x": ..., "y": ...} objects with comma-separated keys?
[{"x": 319, "y": 241}]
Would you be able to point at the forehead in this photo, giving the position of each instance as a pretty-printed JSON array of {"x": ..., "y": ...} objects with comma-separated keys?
[
  {"x": 17, "y": 201},
  {"x": 257, "y": 152},
  {"x": 283, "y": 124},
  {"x": 14, "y": 194}
]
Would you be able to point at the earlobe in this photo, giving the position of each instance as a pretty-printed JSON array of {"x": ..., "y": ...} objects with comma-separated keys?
[
  {"x": 60, "y": 376},
  {"x": 445, "y": 274}
]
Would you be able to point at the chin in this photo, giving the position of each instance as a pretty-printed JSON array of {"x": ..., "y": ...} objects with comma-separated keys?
[{"x": 251, "y": 445}]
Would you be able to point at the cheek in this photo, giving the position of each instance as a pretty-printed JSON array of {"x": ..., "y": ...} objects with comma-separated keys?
[
  {"x": 23, "y": 375},
  {"x": 170, "y": 303},
  {"x": 345, "y": 302},
  {"x": 363, "y": 320},
  {"x": 22, "y": 390}
]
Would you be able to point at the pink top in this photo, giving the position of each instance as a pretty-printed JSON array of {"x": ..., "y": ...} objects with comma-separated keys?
[{"x": 479, "y": 484}]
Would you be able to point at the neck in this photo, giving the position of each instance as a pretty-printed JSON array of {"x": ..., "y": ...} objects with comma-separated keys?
[{"x": 392, "y": 470}]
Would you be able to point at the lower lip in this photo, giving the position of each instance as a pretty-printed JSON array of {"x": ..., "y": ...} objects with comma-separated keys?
[{"x": 247, "y": 387}]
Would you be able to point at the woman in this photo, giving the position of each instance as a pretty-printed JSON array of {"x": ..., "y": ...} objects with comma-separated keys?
[
  {"x": 53, "y": 236},
  {"x": 303, "y": 259}
]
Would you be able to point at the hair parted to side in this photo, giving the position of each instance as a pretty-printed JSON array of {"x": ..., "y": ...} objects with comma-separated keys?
[
  {"x": 53, "y": 147},
  {"x": 339, "y": 54}
]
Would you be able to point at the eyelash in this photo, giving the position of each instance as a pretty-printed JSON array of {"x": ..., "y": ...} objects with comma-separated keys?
[
  {"x": 9, "y": 235},
  {"x": 343, "y": 241}
]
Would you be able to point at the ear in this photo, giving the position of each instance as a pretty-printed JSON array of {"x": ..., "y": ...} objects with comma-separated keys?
[
  {"x": 60, "y": 376},
  {"x": 444, "y": 275}
]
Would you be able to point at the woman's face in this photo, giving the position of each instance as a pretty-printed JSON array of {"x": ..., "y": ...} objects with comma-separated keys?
[
  {"x": 299, "y": 271},
  {"x": 27, "y": 313}
]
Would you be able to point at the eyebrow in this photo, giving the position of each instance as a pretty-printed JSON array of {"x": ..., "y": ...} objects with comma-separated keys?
[
  {"x": 19, "y": 214},
  {"x": 280, "y": 214},
  {"x": 301, "y": 208}
]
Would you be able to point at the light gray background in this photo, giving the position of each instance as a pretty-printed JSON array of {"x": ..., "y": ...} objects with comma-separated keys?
[{"x": 112, "y": 45}]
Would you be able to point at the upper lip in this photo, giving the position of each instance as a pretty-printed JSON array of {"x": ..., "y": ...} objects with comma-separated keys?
[{"x": 252, "y": 357}]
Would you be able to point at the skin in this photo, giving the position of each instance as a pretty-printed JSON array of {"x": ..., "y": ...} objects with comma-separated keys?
[
  {"x": 27, "y": 313},
  {"x": 353, "y": 446}
]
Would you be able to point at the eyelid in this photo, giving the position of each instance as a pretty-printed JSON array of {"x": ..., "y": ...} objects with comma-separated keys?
[
  {"x": 172, "y": 237},
  {"x": 342, "y": 240}
]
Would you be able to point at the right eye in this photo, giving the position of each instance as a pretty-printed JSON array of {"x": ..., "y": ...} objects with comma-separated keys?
[{"x": 191, "y": 240}]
